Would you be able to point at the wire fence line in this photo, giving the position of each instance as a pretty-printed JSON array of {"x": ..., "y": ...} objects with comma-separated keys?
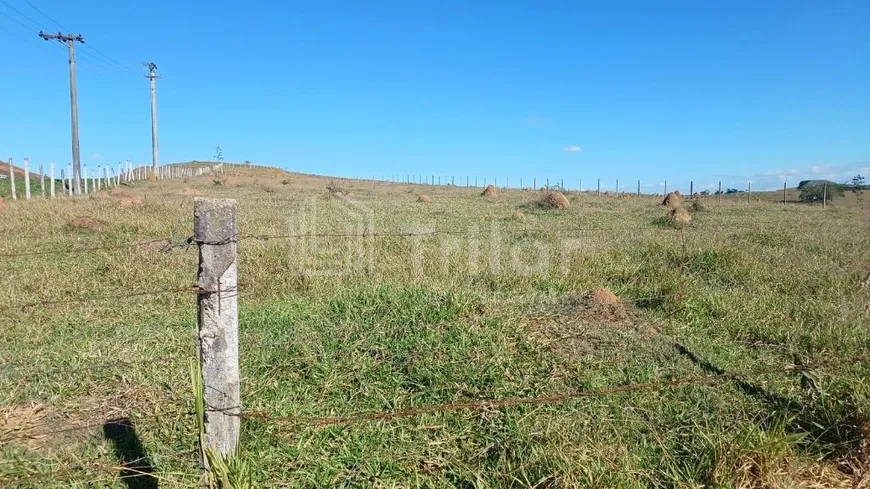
[
  {"x": 170, "y": 244},
  {"x": 220, "y": 247},
  {"x": 321, "y": 422},
  {"x": 197, "y": 290}
]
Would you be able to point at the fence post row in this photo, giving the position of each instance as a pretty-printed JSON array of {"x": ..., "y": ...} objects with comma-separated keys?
[{"x": 214, "y": 230}]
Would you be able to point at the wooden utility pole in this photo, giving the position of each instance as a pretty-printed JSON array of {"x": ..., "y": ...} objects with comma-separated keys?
[
  {"x": 153, "y": 76},
  {"x": 70, "y": 40}
]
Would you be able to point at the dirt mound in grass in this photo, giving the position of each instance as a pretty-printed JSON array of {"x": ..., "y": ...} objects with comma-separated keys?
[
  {"x": 698, "y": 206},
  {"x": 518, "y": 216},
  {"x": 680, "y": 217},
  {"x": 490, "y": 192},
  {"x": 130, "y": 203},
  {"x": 555, "y": 200},
  {"x": 603, "y": 295},
  {"x": 88, "y": 224},
  {"x": 190, "y": 191},
  {"x": 424, "y": 198},
  {"x": 117, "y": 192},
  {"x": 673, "y": 199}
]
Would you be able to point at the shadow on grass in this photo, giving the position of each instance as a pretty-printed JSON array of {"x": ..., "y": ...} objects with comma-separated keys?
[
  {"x": 835, "y": 430},
  {"x": 137, "y": 470}
]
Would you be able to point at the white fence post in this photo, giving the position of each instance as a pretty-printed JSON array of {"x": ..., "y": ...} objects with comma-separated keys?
[
  {"x": 12, "y": 179},
  {"x": 41, "y": 180},
  {"x": 85, "y": 177},
  {"x": 69, "y": 175},
  {"x": 26, "y": 179},
  {"x": 214, "y": 230}
]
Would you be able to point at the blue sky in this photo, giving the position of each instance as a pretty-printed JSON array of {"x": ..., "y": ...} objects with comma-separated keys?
[{"x": 736, "y": 91}]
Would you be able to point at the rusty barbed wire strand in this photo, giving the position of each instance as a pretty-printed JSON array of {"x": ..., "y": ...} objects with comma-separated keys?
[
  {"x": 126, "y": 470},
  {"x": 188, "y": 242},
  {"x": 84, "y": 250},
  {"x": 77, "y": 300},
  {"x": 320, "y": 422},
  {"x": 10, "y": 371}
]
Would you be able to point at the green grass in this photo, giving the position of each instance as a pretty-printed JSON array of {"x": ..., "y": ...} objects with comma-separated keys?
[{"x": 490, "y": 315}]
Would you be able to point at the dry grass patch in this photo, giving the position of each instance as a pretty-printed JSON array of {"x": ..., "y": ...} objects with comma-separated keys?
[
  {"x": 131, "y": 202},
  {"x": 23, "y": 423},
  {"x": 120, "y": 194},
  {"x": 88, "y": 224}
]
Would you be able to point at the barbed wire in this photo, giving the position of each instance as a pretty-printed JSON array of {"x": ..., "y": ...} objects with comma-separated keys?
[
  {"x": 77, "y": 300},
  {"x": 188, "y": 242},
  {"x": 126, "y": 470},
  {"x": 7, "y": 369},
  {"x": 85, "y": 250},
  {"x": 320, "y": 422}
]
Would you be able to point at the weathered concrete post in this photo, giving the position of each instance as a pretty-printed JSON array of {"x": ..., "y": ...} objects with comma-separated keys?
[
  {"x": 12, "y": 179},
  {"x": 41, "y": 180},
  {"x": 26, "y": 179},
  {"x": 85, "y": 178},
  {"x": 214, "y": 230}
]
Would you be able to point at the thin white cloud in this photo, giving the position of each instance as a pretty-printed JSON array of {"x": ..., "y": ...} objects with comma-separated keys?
[
  {"x": 572, "y": 149},
  {"x": 792, "y": 176},
  {"x": 97, "y": 157}
]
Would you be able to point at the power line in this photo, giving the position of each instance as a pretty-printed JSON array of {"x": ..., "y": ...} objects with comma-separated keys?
[
  {"x": 108, "y": 64},
  {"x": 34, "y": 7},
  {"x": 37, "y": 24}
]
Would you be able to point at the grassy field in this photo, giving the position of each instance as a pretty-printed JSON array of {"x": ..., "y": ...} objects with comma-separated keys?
[{"x": 450, "y": 301}]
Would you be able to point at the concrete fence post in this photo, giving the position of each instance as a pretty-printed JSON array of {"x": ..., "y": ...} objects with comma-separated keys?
[
  {"x": 69, "y": 176},
  {"x": 85, "y": 177},
  {"x": 63, "y": 181},
  {"x": 783, "y": 193},
  {"x": 825, "y": 196},
  {"x": 12, "y": 179},
  {"x": 214, "y": 231},
  {"x": 749, "y": 192},
  {"x": 26, "y": 179},
  {"x": 41, "y": 180},
  {"x": 598, "y": 191},
  {"x": 51, "y": 176}
]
